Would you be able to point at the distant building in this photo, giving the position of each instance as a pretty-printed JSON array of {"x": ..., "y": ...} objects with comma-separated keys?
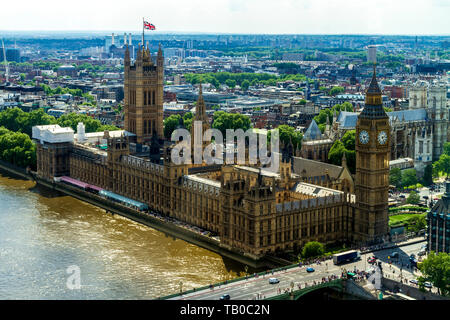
[
  {"x": 404, "y": 163},
  {"x": 293, "y": 56},
  {"x": 419, "y": 132},
  {"x": 395, "y": 92},
  {"x": 12, "y": 54},
  {"x": 372, "y": 54},
  {"x": 67, "y": 70}
]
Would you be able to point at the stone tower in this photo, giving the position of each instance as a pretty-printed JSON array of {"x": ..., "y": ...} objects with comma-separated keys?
[
  {"x": 438, "y": 113},
  {"x": 417, "y": 95},
  {"x": 372, "y": 168},
  {"x": 143, "y": 90},
  {"x": 117, "y": 147},
  {"x": 200, "y": 115}
]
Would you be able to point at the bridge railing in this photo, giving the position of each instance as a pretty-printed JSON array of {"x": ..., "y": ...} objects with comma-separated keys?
[
  {"x": 298, "y": 293},
  {"x": 255, "y": 275}
]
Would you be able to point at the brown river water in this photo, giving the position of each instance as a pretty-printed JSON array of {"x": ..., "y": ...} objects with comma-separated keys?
[{"x": 43, "y": 233}]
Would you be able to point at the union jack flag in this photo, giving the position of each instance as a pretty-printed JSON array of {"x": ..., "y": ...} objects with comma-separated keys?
[{"x": 149, "y": 26}]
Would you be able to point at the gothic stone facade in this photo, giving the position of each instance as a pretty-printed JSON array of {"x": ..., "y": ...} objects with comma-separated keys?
[{"x": 253, "y": 210}]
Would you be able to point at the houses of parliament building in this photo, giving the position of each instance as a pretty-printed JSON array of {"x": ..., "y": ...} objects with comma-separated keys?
[{"x": 252, "y": 210}]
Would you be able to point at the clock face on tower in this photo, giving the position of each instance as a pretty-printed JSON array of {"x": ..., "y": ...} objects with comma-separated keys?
[
  {"x": 382, "y": 137},
  {"x": 364, "y": 137}
]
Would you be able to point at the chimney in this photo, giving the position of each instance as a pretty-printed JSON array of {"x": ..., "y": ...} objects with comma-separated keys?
[
  {"x": 112, "y": 39},
  {"x": 129, "y": 39},
  {"x": 124, "y": 39}
]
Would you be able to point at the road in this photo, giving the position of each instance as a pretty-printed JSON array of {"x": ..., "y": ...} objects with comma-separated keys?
[
  {"x": 431, "y": 195},
  {"x": 248, "y": 289}
]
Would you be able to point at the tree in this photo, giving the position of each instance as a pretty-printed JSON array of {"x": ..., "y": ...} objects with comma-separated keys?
[
  {"x": 91, "y": 125},
  {"x": 287, "y": 134},
  {"x": 409, "y": 177},
  {"x": 223, "y": 121},
  {"x": 395, "y": 177},
  {"x": 230, "y": 83},
  {"x": 245, "y": 84},
  {"x": 443, "y": 164},
  {"x": 413, "y": 198},
  {"x": 321, "y": 118},
  {"x": 345, "y": 145},
  {"x": 187, "y": 120},
  {"x": 170, "y": 124},
  {"x": 436, "y": 269},
  {"x": 336, "y": 153},
  {"x": 416, "y": 223},
  {"x": 349, "y": 140},
  {"x": 17, "y": 148},
  {"x": 447, "y": 148},
  {"x": 312, "y": 249},
  {"x": 17, "y": 120},
  {"x": 336, "y": 90}
]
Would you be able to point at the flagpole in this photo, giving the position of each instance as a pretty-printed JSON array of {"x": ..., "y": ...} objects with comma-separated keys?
[{"x": 143, "y": 40}]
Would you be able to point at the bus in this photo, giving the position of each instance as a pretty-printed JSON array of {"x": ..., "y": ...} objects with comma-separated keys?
[{"x": 347, "y": 256}]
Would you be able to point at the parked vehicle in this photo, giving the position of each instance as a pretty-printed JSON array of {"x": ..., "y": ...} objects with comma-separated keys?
[
  {"x": 309, "y": 270},
  {"x": 428, "y": 285},
  {"x": 225, "y": 297}
]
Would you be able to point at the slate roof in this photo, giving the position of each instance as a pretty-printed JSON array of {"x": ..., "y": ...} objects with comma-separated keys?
[
  {"x": 408, "y": 115},
  {"x": 313, "y": 132},
  {"x": 443, "y": 204},
  {"x": 316, "y": 168},
  {"x": 347, "y": 120}
]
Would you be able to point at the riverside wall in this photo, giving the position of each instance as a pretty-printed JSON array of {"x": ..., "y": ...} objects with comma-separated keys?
[{"x": 167, "y": 227}]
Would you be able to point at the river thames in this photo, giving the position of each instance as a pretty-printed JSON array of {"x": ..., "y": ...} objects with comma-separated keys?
[{"x": 43, "y": 233}]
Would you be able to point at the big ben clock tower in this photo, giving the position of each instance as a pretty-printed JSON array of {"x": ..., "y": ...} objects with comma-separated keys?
[{"x": 372, "y": 168}]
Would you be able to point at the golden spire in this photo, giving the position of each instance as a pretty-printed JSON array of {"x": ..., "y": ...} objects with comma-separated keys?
[
  {"x": 200, "y": 110},
  {"x": 373, "y": 93}
]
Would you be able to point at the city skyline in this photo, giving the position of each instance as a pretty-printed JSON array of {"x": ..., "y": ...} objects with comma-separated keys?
[{"x": 233, "y": 17}]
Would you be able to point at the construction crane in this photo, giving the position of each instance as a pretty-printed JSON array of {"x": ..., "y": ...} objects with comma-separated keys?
[{"x": 6, "y": 62}]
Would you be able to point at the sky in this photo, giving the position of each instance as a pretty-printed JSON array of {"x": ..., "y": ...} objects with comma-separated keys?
[{"x": 412, "y": 17}]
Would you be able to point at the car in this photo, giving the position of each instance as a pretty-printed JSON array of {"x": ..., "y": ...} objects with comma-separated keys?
[
  {"x": 428, "y": 285},
  {"x": 225, "y": 297},
  {"x": 273, "y": 280},
  {"x": 425, "y": 197},
  {"x": 309, "y": 269},
  {"x": 414, "y": 281},
  {"x": 422, "y": 253},
  {"x": 371, "y": 260},
  {"x": 402, "y": 196}
]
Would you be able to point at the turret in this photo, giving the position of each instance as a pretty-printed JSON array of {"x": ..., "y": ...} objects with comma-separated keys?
[
  {"x": 126, "y": 59},
  {"x": 160, "y": 58}
]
